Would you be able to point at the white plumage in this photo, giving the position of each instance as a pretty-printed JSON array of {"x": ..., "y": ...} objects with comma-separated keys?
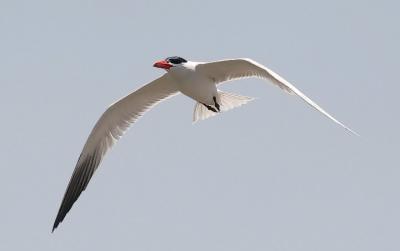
[{"x": 197, "y": 80}]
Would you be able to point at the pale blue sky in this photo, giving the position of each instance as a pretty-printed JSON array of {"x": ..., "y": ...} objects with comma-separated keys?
[{"x": 272, "y": 175}]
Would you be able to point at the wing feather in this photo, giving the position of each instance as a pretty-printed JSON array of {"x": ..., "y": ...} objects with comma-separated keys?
[
  {"x": 231, "y": 69},
  {"x": 108, "y": 129}
]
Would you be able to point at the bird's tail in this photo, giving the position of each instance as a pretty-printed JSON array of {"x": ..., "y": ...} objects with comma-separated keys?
[{"x": 227, "y": 101}]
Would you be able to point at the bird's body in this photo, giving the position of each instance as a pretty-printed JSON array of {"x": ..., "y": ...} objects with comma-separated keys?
[
  {"x": 194, "y": 84},
  {"x": 197, "y": 80}
]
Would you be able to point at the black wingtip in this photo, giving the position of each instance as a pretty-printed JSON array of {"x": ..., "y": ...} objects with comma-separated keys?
[
  {"x": 55, "y": 225},
  {"x": 78, "y": 182}
]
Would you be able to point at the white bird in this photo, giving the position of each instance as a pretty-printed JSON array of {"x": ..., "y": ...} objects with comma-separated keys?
[{"x": 197, "y": 80}]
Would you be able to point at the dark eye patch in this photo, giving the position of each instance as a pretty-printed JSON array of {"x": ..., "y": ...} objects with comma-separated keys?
[{"x": 176, "y": 60}]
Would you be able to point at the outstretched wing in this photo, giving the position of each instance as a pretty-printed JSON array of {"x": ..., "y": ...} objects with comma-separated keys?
[
  {"x": 231, "y": 69},
  {"x": 108, "y": 129}
]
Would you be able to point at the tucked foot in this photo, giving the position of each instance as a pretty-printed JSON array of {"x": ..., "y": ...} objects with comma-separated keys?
[
  {"x": 216, "y": 104},
  {"x": 209, "y": 107}
]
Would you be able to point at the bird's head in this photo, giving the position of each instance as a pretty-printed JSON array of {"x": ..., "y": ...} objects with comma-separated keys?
[{"x": 170, "y": 62}]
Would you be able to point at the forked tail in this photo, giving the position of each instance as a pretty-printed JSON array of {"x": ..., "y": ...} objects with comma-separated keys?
[{"x": 228, "y": 101}]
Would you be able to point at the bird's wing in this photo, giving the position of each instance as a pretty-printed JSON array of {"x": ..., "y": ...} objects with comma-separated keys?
[
  {"x": 108, "y": 129},
  {"x": 231, "y": 69}
]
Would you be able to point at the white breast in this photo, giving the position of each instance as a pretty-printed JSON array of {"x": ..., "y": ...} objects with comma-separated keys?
[{"x": 194, "y": 84}]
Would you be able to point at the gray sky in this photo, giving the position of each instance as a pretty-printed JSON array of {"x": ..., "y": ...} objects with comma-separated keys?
[{"x": 272, "y": 175}]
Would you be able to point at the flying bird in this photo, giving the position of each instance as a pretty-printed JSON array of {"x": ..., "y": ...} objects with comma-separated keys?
[{"x": 197, "y": 80}]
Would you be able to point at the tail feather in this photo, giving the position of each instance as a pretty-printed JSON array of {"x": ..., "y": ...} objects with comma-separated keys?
[{"x": 227, "y": 101}]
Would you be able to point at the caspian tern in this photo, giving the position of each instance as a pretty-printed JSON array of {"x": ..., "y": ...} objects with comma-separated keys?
[{"x": 197, "y": 80}]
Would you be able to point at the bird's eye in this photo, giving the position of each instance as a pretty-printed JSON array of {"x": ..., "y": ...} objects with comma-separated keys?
[{"x": 176, "y": 60}]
